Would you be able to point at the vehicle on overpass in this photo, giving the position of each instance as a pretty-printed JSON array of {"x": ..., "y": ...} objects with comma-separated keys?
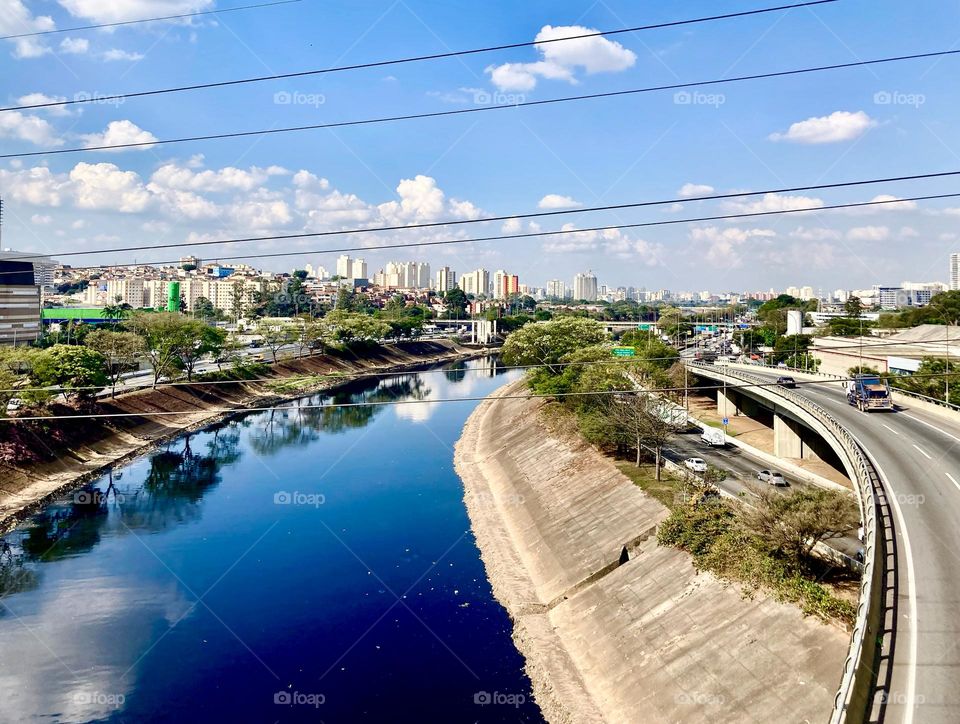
[
  {"x": 869, "y": 393},
  {"x": 697, "y": 465},
  {"x": 787, "y": 382}
]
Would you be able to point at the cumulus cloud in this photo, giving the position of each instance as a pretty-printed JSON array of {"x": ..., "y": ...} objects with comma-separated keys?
[
  {"x": 115, "y": 54},
  {"x": 41, "y": 219},
  {"x": 37, "y": 98},
  {"x": 174, "y": 176},
  {"x": 689, "y": 189},
  {"x": 572, "y": 241},
  {"x": 74, "y": 46},
  {"x": 420, "y": 200},
  {"x": 724, "y": 246},
  {"x": 556, "y": 201},
  {"x": 35, "y": 186},
  {"x": 103, "y": 186},
  {"x": 815, "y": 234},
  {"x": 119, "y": 133},
  {"x": 838, "y": 126},
  {"x": 24, "y": 127},
  {"x": 560, "y": 60},
  {"x": 868, "y": 233},
  {"x": 894, "y": 204},
  {"x": 16, "y": 18},
  {"x": 775, "y": 202},
  {"x": 120, "y": 10}
]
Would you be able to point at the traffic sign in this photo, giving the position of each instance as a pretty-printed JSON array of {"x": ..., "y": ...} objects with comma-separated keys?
[
  {"x": 624, "y": 352},
  {"x": 726, "y": 421}
]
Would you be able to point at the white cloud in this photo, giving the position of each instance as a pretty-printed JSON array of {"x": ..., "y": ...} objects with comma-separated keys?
[
  {"x": 511, "y": 226},
  {"x": 118, "y": 54},
  {"x": 104, "y": 186},
  {"x": 560, "y": 60},
  {"x": 952, "y": 212},
  {"x": 420, "y": 200},
  {"x": 815, "y": 234},
  {"x": 556, "y": 201},
  {"x": 120, "y": 10},
  {"x": 895, "y": 205},
  {"x": 908, "y": 232},
  {"x": 36, "y": 98},
  {"x": 689, "y": 189},
  {"x": 16, "y": 18},
  {"x": 724, "y": 245},
  {"x": 41, "y": 219},
  {"x": 74, "y": 46},
  {"x": 229, "y": 178},
  {"x": 775, "y": 202},
  {"x": 35, "y": 186},
  {"x": 119, "y": 133},
  {"x": 838, "y": 126},
  {"x": 78, "y": 224},
  {"x": 571, "y": 241},
  {"x": 638, "y": 250},
  {"x": 868, "y": 233},
  {"x": 23, "y": 127}
]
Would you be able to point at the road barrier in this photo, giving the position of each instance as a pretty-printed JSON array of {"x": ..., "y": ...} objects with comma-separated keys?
[{"x": 854, "y": 695}]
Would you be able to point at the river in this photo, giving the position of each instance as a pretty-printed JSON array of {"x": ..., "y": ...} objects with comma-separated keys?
[{"x": 306, "y": 564}]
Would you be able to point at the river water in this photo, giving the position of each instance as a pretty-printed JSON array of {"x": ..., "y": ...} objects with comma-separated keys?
[{"x": 307, "y": 564}]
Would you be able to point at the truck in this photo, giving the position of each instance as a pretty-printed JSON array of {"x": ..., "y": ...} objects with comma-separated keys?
[
  {"x": 713, "y": 437},
  {"x": 869, "y": 392}
]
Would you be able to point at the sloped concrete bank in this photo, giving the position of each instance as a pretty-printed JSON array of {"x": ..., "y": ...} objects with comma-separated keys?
[
  {"x": 61, "y": 455},
  {"x": 651, "y": 640}
]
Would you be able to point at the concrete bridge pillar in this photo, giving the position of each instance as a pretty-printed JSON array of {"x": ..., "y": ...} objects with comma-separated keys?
[
  {"x": 788, "y": 439},
  {"x": 727, "y": 403}
]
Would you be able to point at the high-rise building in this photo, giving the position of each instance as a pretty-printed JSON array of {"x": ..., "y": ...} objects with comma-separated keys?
[
  {"x": 19, "y": 299},
  {"x": 555, "y": 289},
  {"x": 955, "y": 271},
  {"x": 476, "y": 282},
  {"x": 585, "y": 287},
  {"x": 446, "y": 279},
  {"x": 344, "y": 266}
]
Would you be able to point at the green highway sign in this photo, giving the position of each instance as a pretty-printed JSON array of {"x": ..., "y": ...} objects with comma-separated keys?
[{"x": 624, "y": 351}]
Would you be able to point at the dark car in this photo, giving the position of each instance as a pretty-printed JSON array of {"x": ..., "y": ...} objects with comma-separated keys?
[{"x": 786, "y": 382}]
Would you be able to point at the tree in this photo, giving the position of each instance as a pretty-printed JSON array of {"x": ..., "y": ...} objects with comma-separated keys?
[
  {"x": 203, "y": 309},
  {"x": 70, "y": 367},
  {"x": 455, "y": 304},
  {"x": 792, "y": 524},
  {"x": 547, "y": 342},
  {"x": 643, "y": 420},
  {"x": 853, "y": 306},
  {"x": 237, "y": 301},
  {"x": 118, "y": 311},
  {"x": 203, "y": 340},
  {"x": 8, "y": 382},
  {"x": 165, "y": 335},
  {"x": 121, "y": 350},
  {"x": 276, "y": 335}
]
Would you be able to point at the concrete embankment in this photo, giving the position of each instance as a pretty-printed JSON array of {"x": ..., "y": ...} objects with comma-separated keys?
[
  {"x": 651, "y": 640},
  {"x": 42, "y": 460}
]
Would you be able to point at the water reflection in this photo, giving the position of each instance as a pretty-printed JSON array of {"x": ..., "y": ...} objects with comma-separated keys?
[{"x": 100, "y": 593}]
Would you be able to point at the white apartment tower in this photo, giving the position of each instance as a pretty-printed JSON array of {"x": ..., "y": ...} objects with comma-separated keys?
[
  {"x": 955, "y": 271},
  {"x": 585, "y": 287},
  {"x": 446, "y": 279}
]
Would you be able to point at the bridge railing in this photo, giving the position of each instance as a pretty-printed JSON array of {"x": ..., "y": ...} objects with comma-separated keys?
[{"x": 853, "y": 694}]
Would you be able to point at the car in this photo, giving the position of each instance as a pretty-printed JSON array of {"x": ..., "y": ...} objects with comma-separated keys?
[
  {"x": 772, "y": 478},
  {"x": 697, "y": 465},
  {"x": 786, "y": 382}
]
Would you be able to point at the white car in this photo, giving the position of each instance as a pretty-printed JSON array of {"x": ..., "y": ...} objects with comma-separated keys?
[
  {"x": 697, "y": 465},
  {"x": 772, "y": 478}
]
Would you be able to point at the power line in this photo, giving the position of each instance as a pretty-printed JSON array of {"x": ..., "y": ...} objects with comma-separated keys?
[
  {"x": 481, "y": 109},
  {"x": 398, "y": 61},
  {"x": 532, "y": 234},
  {"x": 547, "y": 214},
  {"x": 134, "y": 22},
  {"x": 380, "y": 403}
]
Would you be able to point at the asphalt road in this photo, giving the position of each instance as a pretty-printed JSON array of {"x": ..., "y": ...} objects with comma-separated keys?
[{"x": 918, "y": 455}]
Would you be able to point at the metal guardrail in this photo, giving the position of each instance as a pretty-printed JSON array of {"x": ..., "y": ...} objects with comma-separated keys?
[
  {"x": 925, "y": 398},
  {"x": 857, "y": 668}
]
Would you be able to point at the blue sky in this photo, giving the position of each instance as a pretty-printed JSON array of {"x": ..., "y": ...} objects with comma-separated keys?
[{"x": 851, "y": 124}]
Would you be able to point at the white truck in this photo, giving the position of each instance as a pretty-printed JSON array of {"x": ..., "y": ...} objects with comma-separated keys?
[{"x": 714, "y": 437}]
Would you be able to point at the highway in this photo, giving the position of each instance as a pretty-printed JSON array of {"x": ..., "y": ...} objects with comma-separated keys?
[{"x": 918, "y": 456}]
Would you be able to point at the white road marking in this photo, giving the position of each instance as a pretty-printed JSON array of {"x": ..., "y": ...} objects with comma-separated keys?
[
  {"x": 940, "y": 430},
  {"x": 889, "y": 428},
  {"x": 911, "y": 595},
  {"x": 921, "y": 451},
  {"x": 953, "y": 480}
]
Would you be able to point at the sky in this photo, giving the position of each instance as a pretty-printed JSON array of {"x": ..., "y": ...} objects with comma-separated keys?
[{"x": 869, "y": 122}]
